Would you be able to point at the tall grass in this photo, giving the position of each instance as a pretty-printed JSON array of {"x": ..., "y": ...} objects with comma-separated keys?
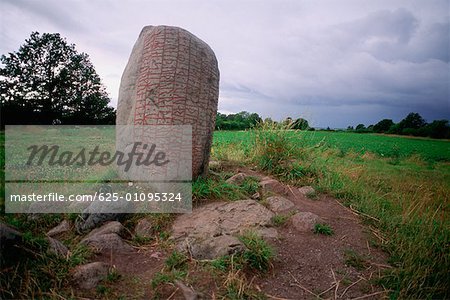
[{"x": 272, "y": 145}]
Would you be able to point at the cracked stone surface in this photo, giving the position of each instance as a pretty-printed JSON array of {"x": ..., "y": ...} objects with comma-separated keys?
[{"x": 212, "y": 230}]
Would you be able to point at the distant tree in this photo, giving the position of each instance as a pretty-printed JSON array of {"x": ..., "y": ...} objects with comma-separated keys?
[
  {"x": 240, "y": 121},
  {"x": 350, "y": 128},
  {"x": 394, "y": 129},
  {"x": 370, "y": 128},
  {"x": 438, "y": 129},
  {"x": 383, "y": 125},
  {"x": 48, "y": 82},
  {"x": 300, "y": 124},
  {"x": 360, "y": 127},
  {"x": 412, "y": 120}
]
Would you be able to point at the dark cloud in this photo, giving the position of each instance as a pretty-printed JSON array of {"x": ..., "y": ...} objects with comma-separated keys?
[{"x": 334, "y": 62}]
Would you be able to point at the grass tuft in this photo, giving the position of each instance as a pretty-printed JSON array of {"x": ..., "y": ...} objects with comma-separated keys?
[
  {"x": 324, "y": 229},
  {"x": 259, "y": 254}
]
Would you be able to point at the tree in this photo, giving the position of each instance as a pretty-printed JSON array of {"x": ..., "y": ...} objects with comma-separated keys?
[
  {"x": 360, "y": 127},
  {"x": 438, "y": 129},
  {"x": 240, "y": 121},
  {"x": 412, "y": 120},
  {"x": 301, "y": 124},
  {"x": 383, "y": 125},
  {"x": 48, "y": 82}
]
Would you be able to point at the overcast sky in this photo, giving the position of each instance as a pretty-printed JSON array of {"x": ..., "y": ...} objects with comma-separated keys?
[{"x": 336, "y": 63}]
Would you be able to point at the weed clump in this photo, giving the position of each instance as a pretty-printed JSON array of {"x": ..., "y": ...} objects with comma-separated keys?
[
  {"x": 273, "y": 145},
  {"x": 259, "y": 254},
  {"x": 324, "y": 229}
]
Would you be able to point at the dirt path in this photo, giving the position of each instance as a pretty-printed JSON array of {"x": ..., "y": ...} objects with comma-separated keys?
[
  {"x": 344, "y": 265},
  {"x": 309, "y": 264}
]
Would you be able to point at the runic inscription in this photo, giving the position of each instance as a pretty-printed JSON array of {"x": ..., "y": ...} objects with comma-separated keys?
[{"x": 172, "y": 78}]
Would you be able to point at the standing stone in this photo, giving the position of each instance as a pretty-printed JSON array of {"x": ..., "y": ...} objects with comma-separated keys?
[{"x": 172, "y": 78}]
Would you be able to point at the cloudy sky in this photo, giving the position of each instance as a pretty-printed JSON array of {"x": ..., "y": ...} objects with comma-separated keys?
[{"x": 336, "y": 63}]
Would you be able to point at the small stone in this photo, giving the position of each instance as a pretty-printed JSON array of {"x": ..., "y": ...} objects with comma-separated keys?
[
  {"x": 109, "y": 241},
  {"x": 273, "y": 186},
  {"x": 62, "y": 227},
  {"x": 279, "y": 204},
  {"x": 108, "y": 237},
  {"x": 237, "y": 179},
  {"x": 213, "y": 247},
  {"x": 88, "y": 276},
  {"x": 307, "y": 190},
  {"x": 110, "y": 227},
  {"x": 56, "y": 247},
  {"x": 305, "y": 221},
  {"x": 156, "y": 255},
  {"x": 268, "y": 233},
  {"x": 144, "y": 229}
]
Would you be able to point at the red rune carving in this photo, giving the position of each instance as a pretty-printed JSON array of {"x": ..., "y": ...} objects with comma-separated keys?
[{"x": 176, "y": 82}]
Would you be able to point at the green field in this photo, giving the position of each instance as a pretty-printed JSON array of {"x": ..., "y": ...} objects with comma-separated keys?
[{"x": 382, "y": 145}]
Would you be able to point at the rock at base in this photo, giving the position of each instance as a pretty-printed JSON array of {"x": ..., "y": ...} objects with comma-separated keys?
[
  {"x": 57, "y": 248},
  {"x": 272, "y": 186},
  {"x": 237, "y": 178},
  {"x": 62, "y": 227},
  {"x": 307, "y": 190},
  {"x": 279, "y": 204},
  {"x": 305, "y": 221},
  {"x": 107, "y": 237},
  {"x": 88, "y": 276}
]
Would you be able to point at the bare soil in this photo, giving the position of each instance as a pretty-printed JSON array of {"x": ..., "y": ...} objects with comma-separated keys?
[{"x": 344, "y": 265}]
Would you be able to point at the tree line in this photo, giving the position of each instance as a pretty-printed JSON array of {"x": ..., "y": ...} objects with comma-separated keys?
[
  {"x": 413, "y": 124},
  {"x": 245, "y": 120}
]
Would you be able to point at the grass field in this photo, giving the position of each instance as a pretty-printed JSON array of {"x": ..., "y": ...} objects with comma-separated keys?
[
  {"x": 382, "y": 145},
  {"x": 400, "y": 186}
]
